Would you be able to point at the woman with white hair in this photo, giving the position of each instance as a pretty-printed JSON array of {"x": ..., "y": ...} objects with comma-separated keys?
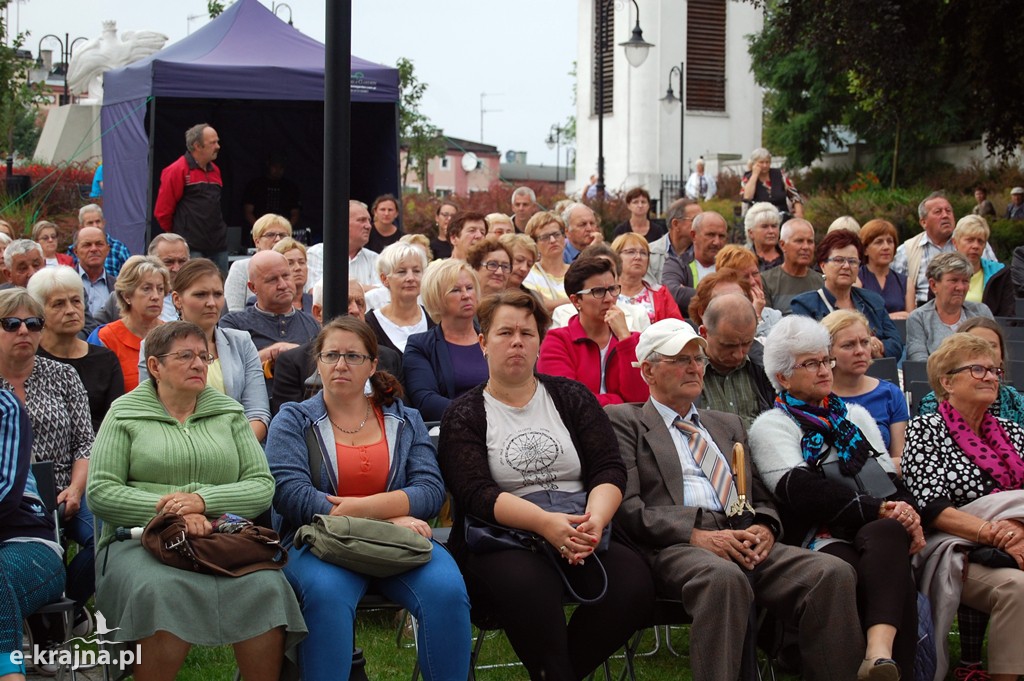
[
  {"x": 838, "y": 490},
  {"x": 990, "y": 283},
  {"x": 761, "y": 182},
  {"x": 762, "y": 224},
  {"x": 401, "y": 268},
  {"x": 446, "y": 361},
  {"x": 266, "y": 232}
]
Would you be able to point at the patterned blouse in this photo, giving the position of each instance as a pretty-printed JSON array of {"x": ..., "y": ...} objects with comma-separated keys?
[
  {"x": 58, "y": 407},
  {"x": 938, "y": 472}
]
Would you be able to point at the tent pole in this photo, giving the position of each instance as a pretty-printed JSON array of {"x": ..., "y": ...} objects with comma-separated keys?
[
  {"x": 337, "y": 137},
  {"x": 150, "y": 200}
]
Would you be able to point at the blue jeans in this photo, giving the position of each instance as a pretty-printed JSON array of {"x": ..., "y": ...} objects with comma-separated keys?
[
  {"x": 434, "y": 593},
  {"x": 82, "y": 568},
  {"x": 31, "y": 575}
]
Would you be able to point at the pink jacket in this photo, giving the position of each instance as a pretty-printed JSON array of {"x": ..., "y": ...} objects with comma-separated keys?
[{"x": 570, "y": 353}]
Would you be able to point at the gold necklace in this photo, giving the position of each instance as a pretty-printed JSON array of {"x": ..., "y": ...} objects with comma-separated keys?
[{"x": 362, "y": 423}]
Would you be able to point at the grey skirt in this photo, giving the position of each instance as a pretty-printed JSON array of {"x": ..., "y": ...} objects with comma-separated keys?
[{"x": 140, "y": 596}]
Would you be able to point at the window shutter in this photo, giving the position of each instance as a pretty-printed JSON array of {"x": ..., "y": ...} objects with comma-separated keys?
[
  {"x": 604, "y": 59},
  {"x": 705, "y": 55}
]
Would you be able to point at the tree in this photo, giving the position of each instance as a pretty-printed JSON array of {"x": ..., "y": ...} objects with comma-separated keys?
[
  {"x": 18, "y": 96},
  {"x": 422, "y": 138},
  {"x": 902, "y": 75}
]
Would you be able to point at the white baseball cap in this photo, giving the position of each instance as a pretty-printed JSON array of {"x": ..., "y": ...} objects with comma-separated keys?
[{"x": 667, "y": 337}]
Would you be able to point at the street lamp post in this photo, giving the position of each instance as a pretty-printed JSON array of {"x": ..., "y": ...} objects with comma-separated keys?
[
  {"x": 274, "y": 6},
  {"x": 67, "y": 49},
  {"x": 636, "y": 49},
  {"x": 669, "y": 100},
  {"x": 554, "y": 141}
]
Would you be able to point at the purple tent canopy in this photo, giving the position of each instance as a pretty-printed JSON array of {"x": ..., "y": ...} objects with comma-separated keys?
[{"x": 247, "y": 53}]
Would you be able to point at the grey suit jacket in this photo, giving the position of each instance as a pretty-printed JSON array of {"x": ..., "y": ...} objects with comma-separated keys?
[{"x": 653, "y": 512}]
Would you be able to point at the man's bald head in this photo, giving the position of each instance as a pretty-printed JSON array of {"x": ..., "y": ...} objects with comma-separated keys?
[
  {"x": 270, "y": 278},
  {"x": 734, "y": 307}
]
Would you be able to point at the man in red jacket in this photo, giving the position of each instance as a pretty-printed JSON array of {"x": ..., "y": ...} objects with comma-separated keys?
[{"x": 188, "y": 202}]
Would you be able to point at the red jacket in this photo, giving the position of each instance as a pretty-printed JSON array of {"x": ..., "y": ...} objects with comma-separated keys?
[
  {"x": 570, "y": 353},
  {"x": 665, "y": 306}
]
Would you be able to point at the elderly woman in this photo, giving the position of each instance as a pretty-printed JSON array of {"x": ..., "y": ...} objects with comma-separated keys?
[
  {"x": 1009, "y": 403},
  {"x": 499, "y": 224},
  {"x": 492, "y": 262},
  {"x": 656, "y": 300},
  {"x": 384, "y": 232},
  {"x": 880, "y": 239},
  {"x": 735, "y": 257},
  {"x": 547, "y": 276},
  {"x": 295, "y": 252},
  {"x": 8, "y": 230},
  {"x": 524, "y": 255},
  {"x": 376, "y": 460},
  {"x": 401, "y": 268},
  {"x": 176, "y": 445},
  {"x": 58, "y": 408},
  {"x": 5, "y": 241},
  {"x": 839, "y": 256},
  {"x": 60, "y": 292},
  {"x": 850, "y": 337},
  {"x": 761, "y": 182},
  {"x": 596, "y": 348},
  {"x": 31, "y": 570},
  {"x": 266, "y": 231},
  {"x": 494, "y": 478},
  {"x": 439, "y": 244},
  {"x": 949, "y": 278},
  {"x": 235, "y": 371},
  {"x": 965, "y": 467},
  {"x": 825, "y": 462},
  {"x": 990, "y": 284},
  {"x": 762, "y": 224},
  {"x": 139, "y": 290},
  {"x": 638, "y": 201},
  {"x": 446, "y": 361},
  {"x": 847, "y": 222},
  {"x": 44, "y": 233}
]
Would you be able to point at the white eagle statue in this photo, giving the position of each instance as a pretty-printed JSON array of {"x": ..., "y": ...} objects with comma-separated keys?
[{"x": 109, "y": 51}]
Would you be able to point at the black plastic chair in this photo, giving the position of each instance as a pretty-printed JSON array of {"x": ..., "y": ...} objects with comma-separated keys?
[
  {"x": 914, "y": 372},
  {"x": 884, "y": 368}
]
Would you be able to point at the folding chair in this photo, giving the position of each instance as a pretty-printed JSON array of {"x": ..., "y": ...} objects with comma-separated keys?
[
  {"x": 914, "y": 372},
  {"x": 901, "y": 326},
  {"x": 884, "y": 368},
  {"x": 42, "y": 471},
  {"x": 917, "y": 391}
]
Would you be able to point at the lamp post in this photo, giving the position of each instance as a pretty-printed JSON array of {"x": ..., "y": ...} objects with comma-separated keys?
[
  {"x": 67, "y": 48},
  {"x": 636, "y": 49},
  {"x": 554, "y": 141},
  {"x": 669, "y": 101},
  {"x": 274, "y": 6}
]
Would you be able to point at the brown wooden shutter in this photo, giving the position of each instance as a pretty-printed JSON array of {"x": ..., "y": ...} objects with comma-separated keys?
[
  {"x": 705, "y": 55},
  {"x": 604, "y": 59}
]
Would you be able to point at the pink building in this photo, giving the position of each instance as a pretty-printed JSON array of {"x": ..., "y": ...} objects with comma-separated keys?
[{"x": 466, "y": 167}]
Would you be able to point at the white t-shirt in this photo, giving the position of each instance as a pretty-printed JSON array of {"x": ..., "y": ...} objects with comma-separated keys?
[
  {"x": 400, "y": 334},
  {"x": 529, "y": 449}
]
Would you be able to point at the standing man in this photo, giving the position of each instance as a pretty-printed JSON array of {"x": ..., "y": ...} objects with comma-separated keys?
[
  {"x": 581, "y": 230},
  {"x": 794, "y": 275},
  {"x": 1015, "y": 211},
  {"x": 188, "y": 202},
  {"x": 700, "y": 187},
  {"x": 524, "y": 205},
  {"x": 734, "y": 382},
  {"x": 362, "y": 262},
  {"x": 679, "y": 488},
  {"x": 677, "y": 243},
  {"x": 708, "y": 232}
]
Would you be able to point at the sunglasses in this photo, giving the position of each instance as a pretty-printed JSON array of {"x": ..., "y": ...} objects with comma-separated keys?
[{"x": 12, "y": 324}]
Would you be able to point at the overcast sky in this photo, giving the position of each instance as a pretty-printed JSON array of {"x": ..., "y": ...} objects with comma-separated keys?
[{"x": 519, "y": 54}]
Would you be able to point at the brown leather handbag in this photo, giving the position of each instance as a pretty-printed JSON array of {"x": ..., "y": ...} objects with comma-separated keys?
[{"x": 249, "y": 549}]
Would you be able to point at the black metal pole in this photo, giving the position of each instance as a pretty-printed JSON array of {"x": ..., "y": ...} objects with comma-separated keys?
[
  {"x": 602, "y": 31},
  {"x": 337, "y": 136},
  {"x": 66, "y": 53},
  {"x": 682, "y": 129}
]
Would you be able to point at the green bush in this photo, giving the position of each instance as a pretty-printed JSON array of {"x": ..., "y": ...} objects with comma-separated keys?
[{"x": 1006, "y": 236}]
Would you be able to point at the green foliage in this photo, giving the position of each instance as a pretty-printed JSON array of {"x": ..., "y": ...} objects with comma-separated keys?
[
  {"x": 422, "y": 138},
  {"x": 17, "y": 96},
  {"x": 214, "y": 8},
  {"x": 1006, "y": 236}
]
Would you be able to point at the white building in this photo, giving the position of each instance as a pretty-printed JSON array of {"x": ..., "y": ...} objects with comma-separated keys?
[{"x": 641, "y": 135}]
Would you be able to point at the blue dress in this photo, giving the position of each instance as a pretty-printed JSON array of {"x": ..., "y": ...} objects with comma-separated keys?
[
  {"x": 895, "y": 291},
  {"x": 887, "y": 404}
]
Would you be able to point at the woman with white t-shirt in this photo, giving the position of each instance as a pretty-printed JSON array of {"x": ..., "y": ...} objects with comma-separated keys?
[{"x": 401, "y": 268}]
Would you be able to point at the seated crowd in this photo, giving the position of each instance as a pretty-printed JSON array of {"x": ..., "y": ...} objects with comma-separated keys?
[{"x": 669, "y": 416}]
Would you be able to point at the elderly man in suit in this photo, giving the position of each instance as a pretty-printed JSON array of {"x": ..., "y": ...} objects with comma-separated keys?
[{"x": 680, "y": 485}]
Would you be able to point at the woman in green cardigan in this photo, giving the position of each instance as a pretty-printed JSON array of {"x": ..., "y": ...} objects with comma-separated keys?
[{"x": 174, "y": 445}]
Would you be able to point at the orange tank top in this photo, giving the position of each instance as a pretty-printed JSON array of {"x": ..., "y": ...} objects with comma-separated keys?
[{"x": 363, "y": 469}]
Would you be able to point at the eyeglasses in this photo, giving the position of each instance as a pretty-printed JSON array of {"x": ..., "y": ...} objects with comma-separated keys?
[
  {"x": 276, "y": 236},
  {"x": 494, "y": 266},
  {"x": 353, "y": 359},
  {"x": 550, "y": 236},
  {"x": 839, "y": 261},
  {"x": 187, "y": 356},
  {"x": 12, "y": 324},
  {"x": 813, "y": 365},
  {"x": 634, "y": 253},
  {"x": 978, "y": 372},
  {"x": 684, "y": 360},
  {"x": 601, "y": 291}
]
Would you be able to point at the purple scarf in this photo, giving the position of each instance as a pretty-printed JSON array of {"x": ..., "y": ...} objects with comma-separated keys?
[{"x": 992, "y": 452}]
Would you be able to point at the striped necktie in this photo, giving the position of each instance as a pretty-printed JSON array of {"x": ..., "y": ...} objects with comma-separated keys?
[{"x": 712, "y": 465}]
